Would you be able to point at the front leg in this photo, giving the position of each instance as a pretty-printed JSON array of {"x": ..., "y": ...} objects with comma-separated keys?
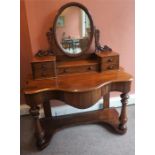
[
  {"x": 123, "y": 116},
  {"x": 39, "y": 132},
  {"x": 47, "y": 109}
]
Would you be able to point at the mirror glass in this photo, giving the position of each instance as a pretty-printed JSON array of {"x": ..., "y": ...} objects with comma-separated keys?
[{"x": 73, "y": 30}]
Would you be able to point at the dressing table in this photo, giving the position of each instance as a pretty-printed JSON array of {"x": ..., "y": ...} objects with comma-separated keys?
[{"x": 78, "y": 70}]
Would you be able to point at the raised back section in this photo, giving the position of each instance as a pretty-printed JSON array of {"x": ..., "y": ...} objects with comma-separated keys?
[{"x": 74, "y": 46}]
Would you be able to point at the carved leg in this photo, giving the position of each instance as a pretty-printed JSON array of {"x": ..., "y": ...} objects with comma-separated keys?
[
  {"x": 39, "y": 132},
  {"x": 123, "y": 115}
]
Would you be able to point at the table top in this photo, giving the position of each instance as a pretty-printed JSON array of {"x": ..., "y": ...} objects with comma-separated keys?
[{"x": 79, "y": 82}]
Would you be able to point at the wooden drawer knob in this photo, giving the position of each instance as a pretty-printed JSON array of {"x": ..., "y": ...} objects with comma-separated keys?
[
  {"x": 90, "y": 68},
  {"x": 65, "y": 70},
  {"x": 110, "y": 60},
  {"x": 111, "y": 67}
]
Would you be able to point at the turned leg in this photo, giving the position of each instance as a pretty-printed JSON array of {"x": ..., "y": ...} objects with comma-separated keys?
[
  {"x": 47, "y": 109},
  {"x": 39, "y": 132},
  {"x": 106, "y": 100},
  {"x": 123, "y": 115}
]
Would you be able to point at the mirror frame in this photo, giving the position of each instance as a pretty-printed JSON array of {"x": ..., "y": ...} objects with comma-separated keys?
[{"x": 91, "y": 24}]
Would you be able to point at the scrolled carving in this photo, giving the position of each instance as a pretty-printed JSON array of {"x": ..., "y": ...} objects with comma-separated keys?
[
  {"x": 50, "y": 34},
  {"x": 98, "y": 46},
  {"x": 42, "y": 53}
]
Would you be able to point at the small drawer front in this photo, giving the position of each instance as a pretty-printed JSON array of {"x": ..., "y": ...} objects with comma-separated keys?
[
  {"x": 111, "y": 60},
  {"x": 43, "y": 70},
  {"x": 110, "y": 67},
  {"x": 110, "y": 63},
  {"x": 77, "y": 69},
  {"x": 38, "y": 74},
  {"x": 43, "y": 65}
]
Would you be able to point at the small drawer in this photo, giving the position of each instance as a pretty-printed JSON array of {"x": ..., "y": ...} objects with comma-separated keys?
[
  {"x": 109, "y": 63},
  {"x": 110, "y": 67},
  {"x": 38, "y": 73},
  {"x": 111, "y": 59},
  {"x": 43, "y": 65},
  {"x": 43, "y": 70},
  {"x": 77, "y": 69}
]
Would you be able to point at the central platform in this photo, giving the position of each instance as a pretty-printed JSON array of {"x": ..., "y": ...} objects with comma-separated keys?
[{"x": 51, "y": 125}]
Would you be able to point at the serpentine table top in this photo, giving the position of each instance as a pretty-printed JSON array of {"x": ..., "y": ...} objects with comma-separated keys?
[{"x": 77, "y": 82}]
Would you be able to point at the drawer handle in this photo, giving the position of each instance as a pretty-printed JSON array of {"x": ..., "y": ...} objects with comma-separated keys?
[
  {"x": 111, "y": 67},
  {"x": 65, "y": 70},
  {"x": 110, "y": 60},
  {"x": 90, "y": 68}
]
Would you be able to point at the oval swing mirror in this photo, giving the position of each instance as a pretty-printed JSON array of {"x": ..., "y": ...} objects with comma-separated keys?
[{"x": 73, "y": 29}]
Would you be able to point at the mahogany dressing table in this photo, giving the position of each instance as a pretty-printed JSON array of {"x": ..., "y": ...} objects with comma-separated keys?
[{"x": 79, "y": 74}]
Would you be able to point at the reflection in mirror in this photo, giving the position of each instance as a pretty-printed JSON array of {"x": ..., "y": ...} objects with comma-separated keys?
[{"x": 73, "y": 30}]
